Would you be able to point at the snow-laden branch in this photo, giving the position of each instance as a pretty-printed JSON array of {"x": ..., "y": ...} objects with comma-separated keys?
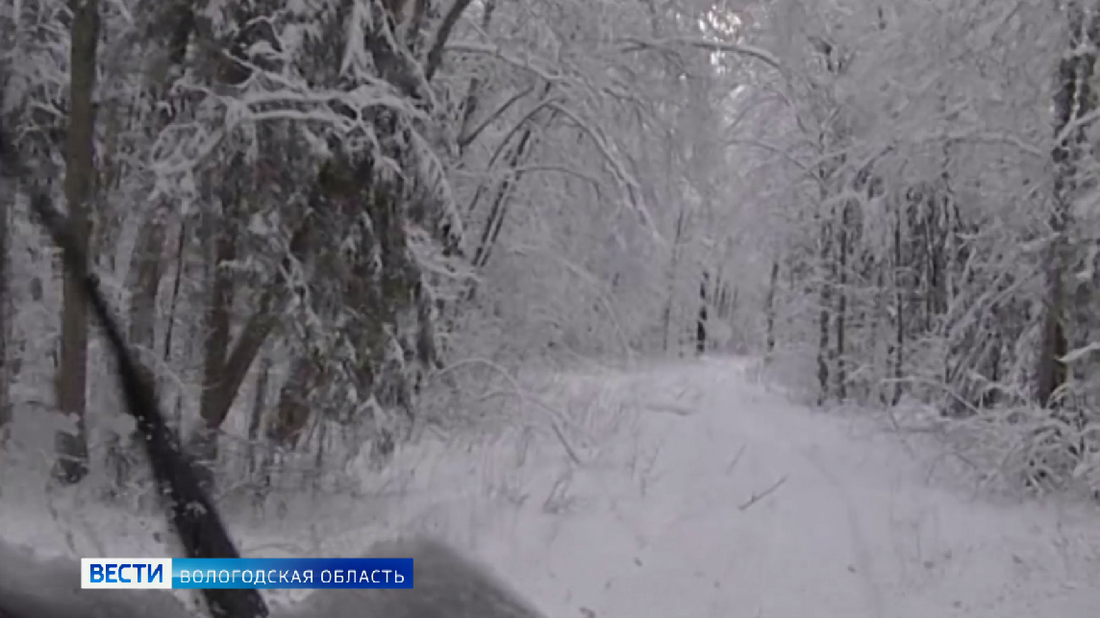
[
  {"x": 435, "y": 56},
  {"x": 562, "y": 169},
  {"x": 1078, "y": 353},
  {"x": 584, "y": 275},
  {"x": 980, "y": 136},
  {"x": 622, "y": 176},
  {"x": 1076, "y": 124},
  {"x": 772, "y": 149},
  {"x": 630, "y": 44},
  {"x": 496, "y": 51},
  {"x": 468, "y": 138}
]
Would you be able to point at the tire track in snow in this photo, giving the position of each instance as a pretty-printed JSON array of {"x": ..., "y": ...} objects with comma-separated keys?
[
  {"x": 973, "y": 552},
  {"x": 780, "y": 539},
  {"x": 865, "y": 562}
]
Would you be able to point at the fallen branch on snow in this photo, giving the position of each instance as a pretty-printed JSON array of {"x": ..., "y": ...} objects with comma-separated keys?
[{"x": 764, "y": 494}]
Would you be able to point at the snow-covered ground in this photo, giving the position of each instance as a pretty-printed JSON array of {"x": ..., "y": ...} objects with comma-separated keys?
[{"x": 699, "y": 493}]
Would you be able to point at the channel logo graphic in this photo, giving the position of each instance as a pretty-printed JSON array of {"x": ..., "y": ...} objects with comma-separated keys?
[
  {"x": 245, "y": 573},
  {"x": 126, "y": 573}
]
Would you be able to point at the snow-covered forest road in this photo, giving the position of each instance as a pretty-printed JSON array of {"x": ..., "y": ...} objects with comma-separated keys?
[
  {"x": 762, "y": 508},
  {"x": 719, "y": 499},
  {"x": 849, "y": 528}
]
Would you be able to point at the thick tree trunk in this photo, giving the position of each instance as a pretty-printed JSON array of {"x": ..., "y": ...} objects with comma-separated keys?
[
  {"x": 235, "y": 366},
  {"x": 292, "y": 411},
  {"x": 224, "y": 370},
  {"x": 1073, "y": 100},
  {"x": 181, "y": 244},
  {"x": 259, "y": 402},
  {"x": 222, "y": 230},
  {"x": 144, "y": 281},
  {"x": 71, "y": 442}
]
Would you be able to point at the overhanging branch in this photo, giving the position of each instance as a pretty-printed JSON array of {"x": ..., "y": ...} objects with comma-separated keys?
[{"x": 668, "y": 44}]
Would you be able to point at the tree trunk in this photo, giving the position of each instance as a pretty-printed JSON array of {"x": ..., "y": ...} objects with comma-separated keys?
[
  {"x": 71, "y": 442},
  {"x": 144, "y": 280},
  {"x": 899, "y": 313},
  {"x": 824, "y": 314},
  {"x": 7, "y": 314},
  {"x": 472, "y": 101},
  {"x": 769, "y": 308},
  {"x": 259, "y": 402},
  {"x": 673, "y": 267},
  {"x": 292, "y": 411},
  {"x": 1073, "y": 100},
  {"x": 701, "y": 320},
  {"x": 224, "y": 371},
  {"x": 499, "y": 209},
  {"x": 171, "y": 320},
  {"x": 842, "y": 303},
  {"x": 216, "y": 344}
]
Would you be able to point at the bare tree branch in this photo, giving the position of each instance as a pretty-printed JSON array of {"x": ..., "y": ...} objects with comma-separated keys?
[
  {"x": 435, "y": 56},
  {"x": 763, "y": 55}
]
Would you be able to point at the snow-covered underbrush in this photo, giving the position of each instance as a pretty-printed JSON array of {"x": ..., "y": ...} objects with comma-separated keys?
[
  {"x": 999, "y": 450},
  {"x": 559, "y": 446},
  {"x": 1009, "y": 450},
  {"x": 514, "y": 445}
]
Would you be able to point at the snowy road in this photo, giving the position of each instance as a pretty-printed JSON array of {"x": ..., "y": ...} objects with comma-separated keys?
[
  {"x": 720, "y": 500},
  {"x": 847, "y": 526}
]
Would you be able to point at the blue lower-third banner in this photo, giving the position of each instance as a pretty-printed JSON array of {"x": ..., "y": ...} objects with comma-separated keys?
[{"x": 245, "y": 573}]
